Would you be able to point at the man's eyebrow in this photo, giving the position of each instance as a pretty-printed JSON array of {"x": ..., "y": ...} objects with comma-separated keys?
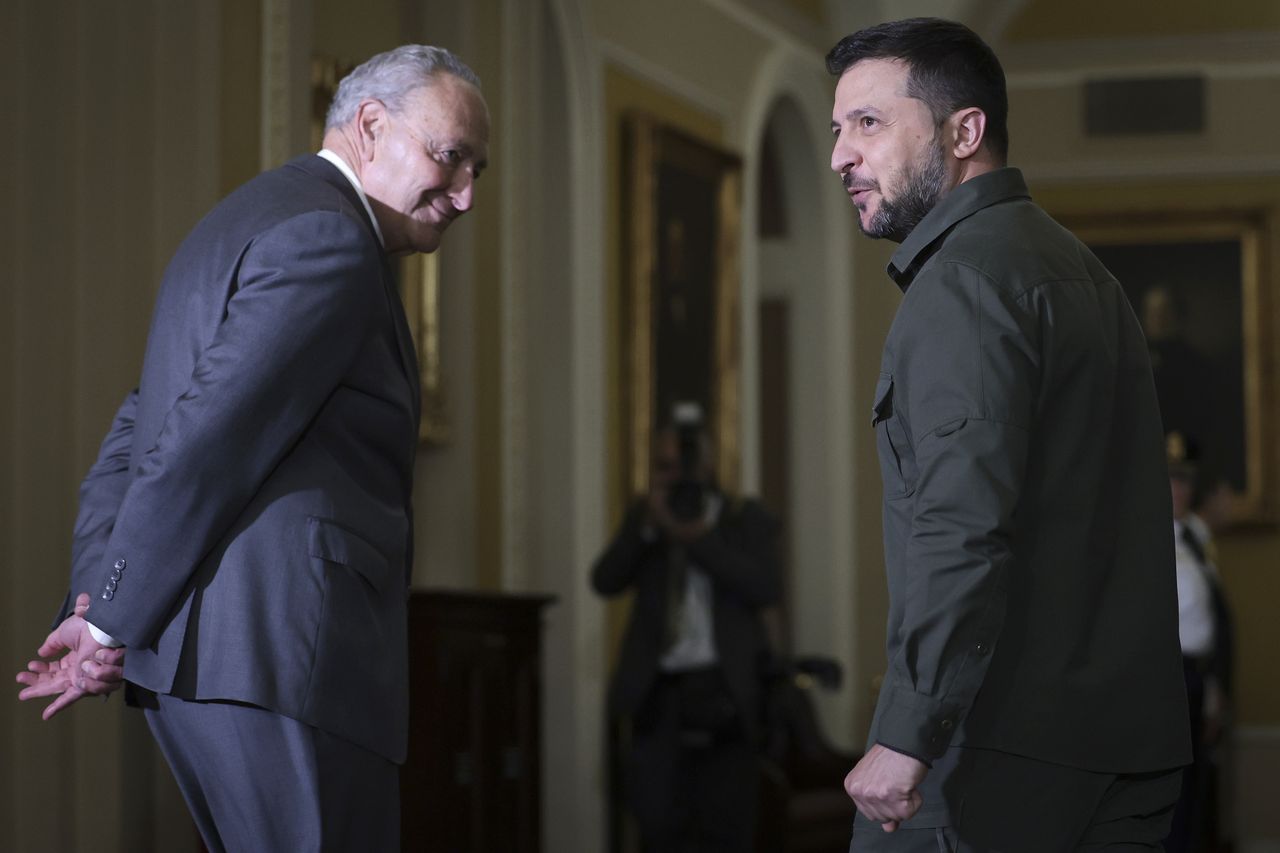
[
  {"x": 467, "y": 150},
  {"x": 857, "y": 113}
]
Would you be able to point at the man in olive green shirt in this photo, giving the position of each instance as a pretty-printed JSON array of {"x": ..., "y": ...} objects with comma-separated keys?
[{"x": 1033, "y": 699}]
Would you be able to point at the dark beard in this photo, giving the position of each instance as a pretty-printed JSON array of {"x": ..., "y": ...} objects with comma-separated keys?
[{"x": 896, "y": 218}]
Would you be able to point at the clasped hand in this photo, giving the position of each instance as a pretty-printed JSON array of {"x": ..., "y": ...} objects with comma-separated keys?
[
  {"x": 660, "y": 516},
  {"x": 73, "y": 664},
  {"x": 883, "y": 785}
]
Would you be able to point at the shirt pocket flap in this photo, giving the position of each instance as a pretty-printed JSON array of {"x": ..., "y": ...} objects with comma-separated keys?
[
  {"x": 329, "y": 541},
  {"x": 944, "y": 429},
  {"x": 882, "y": 408}
]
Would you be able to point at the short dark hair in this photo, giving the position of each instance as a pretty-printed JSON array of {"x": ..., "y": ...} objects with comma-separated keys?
[{"x": 951, "y": 68}]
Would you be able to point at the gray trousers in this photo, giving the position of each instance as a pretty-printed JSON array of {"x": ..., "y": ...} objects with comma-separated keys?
[
  {"x": 259, "y": 782},
  {"x": 981, "y": 801}
]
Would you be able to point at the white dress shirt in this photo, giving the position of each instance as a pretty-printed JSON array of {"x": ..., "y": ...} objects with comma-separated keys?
[
  {"x": 695, "y": 645},
  {"x": 355, "y": 182},
  {"x": 1195, "y": 598}
]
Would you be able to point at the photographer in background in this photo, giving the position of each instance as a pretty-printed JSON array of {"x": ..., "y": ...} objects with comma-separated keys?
[{"x": 703, "y": 565}]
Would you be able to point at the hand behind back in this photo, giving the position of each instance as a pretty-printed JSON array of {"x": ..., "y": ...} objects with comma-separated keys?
[{"x": 83, "y": 666}]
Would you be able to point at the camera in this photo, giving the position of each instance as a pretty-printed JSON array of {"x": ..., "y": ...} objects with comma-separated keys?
[{"x": 687, "y": 497}]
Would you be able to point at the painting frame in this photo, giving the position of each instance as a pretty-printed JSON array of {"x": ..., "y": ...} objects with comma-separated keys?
[
  {"x": 420, "y": 292},
  {"x": 1244, "y": 234},
  {"x": 652, "y": 150}
]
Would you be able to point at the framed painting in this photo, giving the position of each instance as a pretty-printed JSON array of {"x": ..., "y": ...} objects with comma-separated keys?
[
  {"x": 420, "y": 290},
  {"x": 683, "y": 208},
  {"x": 1196, "y": 284}
]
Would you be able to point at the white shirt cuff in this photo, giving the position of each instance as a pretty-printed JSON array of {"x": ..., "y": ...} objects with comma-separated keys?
[{"x": 103, "y": 637}]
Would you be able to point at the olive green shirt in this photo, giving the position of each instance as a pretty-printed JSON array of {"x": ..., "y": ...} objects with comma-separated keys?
[{"x": 1027, "y": 517}]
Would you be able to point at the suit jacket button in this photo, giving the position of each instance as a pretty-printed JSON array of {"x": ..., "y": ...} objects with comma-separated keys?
[
  {"x": 115, "y": 576},
  {"x": 946, "y": 725},
  {"x": 111, "y": 585},
  {"x": 120, "y": 563},
  {"x": 107, "y": 595}
]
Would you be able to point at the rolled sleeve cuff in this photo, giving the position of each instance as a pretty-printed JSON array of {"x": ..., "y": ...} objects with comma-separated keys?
[
  {"x": 102, "y": 637},
  {"x": 927, "y": 762},
  {"x": 916, "y": 725}
]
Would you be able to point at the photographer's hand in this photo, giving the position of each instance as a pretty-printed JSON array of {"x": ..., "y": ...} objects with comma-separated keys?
[
  {"x": 660, "y": 515},
  {"x": 685, "y": 532}
]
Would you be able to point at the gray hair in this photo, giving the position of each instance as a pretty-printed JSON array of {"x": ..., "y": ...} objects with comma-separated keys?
[{"x": 389, "y": 76}]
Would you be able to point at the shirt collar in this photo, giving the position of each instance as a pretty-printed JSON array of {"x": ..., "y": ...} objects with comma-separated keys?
[
  {"x": 1199, "y": 527},
  {"x": 355, "y": 182},
  {"x": 963, "y": 201}
]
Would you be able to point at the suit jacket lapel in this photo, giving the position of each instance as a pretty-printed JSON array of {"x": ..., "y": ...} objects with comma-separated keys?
[
  {"x": 404, "y": 339},
  {"x": 329, "y": 173},
  {"x": 320, "y": 168}
]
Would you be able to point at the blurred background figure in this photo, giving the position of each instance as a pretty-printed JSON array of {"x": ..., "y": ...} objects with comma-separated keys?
[
  {"x": 702, "y": 565},
  {"x": 1202, "y": 506}
]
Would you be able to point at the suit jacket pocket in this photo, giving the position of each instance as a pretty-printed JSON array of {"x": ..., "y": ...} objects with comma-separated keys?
[
  {"x": 336, "y": 544},
  {"x": 359, "y": 680}
]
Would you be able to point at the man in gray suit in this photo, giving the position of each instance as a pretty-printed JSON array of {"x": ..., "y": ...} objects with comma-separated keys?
[{"x": 244, "y": 538}]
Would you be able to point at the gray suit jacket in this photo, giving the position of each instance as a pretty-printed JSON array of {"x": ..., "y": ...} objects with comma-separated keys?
[{"x": 246, "y": 529}]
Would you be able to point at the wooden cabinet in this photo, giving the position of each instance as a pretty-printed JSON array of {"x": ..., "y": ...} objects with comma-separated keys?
[{"x": 471, "y": 782}]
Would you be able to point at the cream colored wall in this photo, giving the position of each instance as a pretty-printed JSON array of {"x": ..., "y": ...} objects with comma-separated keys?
[
  {"x": 116, "y": 115},
  {"x": 810, "y": 268},
  {"x": 549, "y": 442}
]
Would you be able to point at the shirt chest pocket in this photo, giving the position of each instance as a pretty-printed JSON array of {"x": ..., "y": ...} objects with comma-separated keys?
[{"x": 897, "y": 458}]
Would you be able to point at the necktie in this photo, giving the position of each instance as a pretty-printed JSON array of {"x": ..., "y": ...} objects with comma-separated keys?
[{"x": 1189, "y": 539}]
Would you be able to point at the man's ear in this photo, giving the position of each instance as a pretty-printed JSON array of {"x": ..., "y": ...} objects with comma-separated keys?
[
  {"x": 968, "y": 129},
  {"x": 371, "y": 124}
]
